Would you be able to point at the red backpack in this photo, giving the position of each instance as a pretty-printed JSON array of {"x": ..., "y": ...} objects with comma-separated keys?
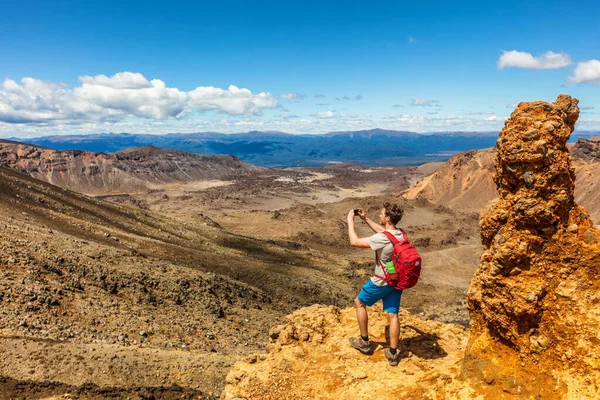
[{"x": 407, "y": 263}]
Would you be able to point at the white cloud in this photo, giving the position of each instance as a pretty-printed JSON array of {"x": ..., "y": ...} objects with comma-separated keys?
[
  {"x": 494, "y": 118},
  {"x": 233, "y": 101},
  {"x": 411, "y": 39},
  {"x": 335, "y": 122},
  {"x": 125, "y": 94},
  {"x": 424, "y": 103},
  {"x": 327, "y": 114},
  {"x": 292, "y": 97},
  {"x": 120, "y": 80},
  {"x": 155, "y": 101},
  {"x": 520, "y": 59},
  {"x": 37, "y": 101},
  {"x": 586, "y": 72}
]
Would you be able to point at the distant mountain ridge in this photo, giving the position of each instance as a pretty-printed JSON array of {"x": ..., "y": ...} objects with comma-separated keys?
[
  {"x": 123, "y": 171},
  {"x": 374, "y": 147}
]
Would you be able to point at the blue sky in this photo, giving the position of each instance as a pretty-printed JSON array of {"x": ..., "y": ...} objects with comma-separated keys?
[{"x": 300, "y": 67}]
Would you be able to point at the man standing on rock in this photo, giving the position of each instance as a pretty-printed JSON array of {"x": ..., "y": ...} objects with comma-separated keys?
[{"x": 376, "y": 288}]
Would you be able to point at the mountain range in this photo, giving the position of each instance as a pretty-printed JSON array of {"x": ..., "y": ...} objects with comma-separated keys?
[{"x": 374, "y": 147}]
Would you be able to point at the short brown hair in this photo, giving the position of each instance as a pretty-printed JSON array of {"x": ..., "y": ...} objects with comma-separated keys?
[{"x": 394, "y": 211}]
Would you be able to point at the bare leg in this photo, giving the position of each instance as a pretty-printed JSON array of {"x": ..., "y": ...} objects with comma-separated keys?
[
  {"x": 394, "y": 330},
  {"x": 362, "y": 317}
]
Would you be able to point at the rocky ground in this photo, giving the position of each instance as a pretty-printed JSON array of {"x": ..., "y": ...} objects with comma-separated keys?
[
  {"x": 158, "y": 292},
  {"x": 103, "y": 296},
  {"x": 309, "y": 358}
]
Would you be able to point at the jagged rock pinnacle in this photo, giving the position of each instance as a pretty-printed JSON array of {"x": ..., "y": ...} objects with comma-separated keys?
[{"x": 535, "y": 301}]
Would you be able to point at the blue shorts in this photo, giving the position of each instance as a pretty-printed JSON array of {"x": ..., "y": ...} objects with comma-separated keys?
[{"x": 371, "y": 294}]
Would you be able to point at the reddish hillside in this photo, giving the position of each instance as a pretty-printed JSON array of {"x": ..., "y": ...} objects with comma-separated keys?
[
  {"x": 125, "y": 171},
  {"x": 465, "y": 182}
]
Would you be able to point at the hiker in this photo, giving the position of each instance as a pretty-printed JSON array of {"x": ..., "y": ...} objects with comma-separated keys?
[{"x": 376, "y": 287}]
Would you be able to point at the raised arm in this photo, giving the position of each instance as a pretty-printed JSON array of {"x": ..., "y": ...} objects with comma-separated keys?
[
  {"x": 355, "y": 241},
  {"x": 372, "y": 224}
]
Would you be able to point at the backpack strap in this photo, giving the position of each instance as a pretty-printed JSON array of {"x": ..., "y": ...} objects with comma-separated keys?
[
  {"x": 393, "y": 238},
  {"x": 394, "y": 241}
]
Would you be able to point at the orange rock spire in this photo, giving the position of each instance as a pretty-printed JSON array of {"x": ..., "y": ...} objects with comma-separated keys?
[{"x": 535, "y": 299}]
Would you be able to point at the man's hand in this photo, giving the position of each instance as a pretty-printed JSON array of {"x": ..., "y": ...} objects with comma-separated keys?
[
  {"x": 351, "y": 217},
  {"x": 355, "y": 241},
  {"x": 361, "y": 214}
]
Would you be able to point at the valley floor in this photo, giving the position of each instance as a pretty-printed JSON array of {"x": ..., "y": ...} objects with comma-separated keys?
[{"x": 158, "y": 293}]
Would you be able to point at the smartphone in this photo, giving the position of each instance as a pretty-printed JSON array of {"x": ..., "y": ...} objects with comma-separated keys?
[{"x": 356, "y": 211}]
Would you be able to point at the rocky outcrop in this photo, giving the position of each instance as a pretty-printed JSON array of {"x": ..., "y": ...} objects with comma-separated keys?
[
  {"x": 309, "y": 358},
  {"x": 535, "y": 299},
  {"x": 122, "y": 172}
]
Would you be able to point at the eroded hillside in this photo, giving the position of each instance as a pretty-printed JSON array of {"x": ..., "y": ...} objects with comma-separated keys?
[
  {"x": 126, "y": 171},
  {"x": 465, "y": 182},
  {"x": 101, "y": 298}
]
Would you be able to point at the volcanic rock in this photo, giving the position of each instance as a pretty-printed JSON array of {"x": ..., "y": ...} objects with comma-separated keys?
[
  {"x": 534, "y": 301},
  {"x": 309, "y": 358}
]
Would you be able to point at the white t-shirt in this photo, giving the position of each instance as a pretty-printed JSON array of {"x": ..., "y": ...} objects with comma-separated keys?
[{"x": 384, "y": 249}]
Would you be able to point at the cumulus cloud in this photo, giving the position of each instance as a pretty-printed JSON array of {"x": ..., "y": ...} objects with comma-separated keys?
[
  {"x": 494, "y": 118},
  {"x": 327, "y": 114},
  {"x": 292, "y": 97},
  {"x": 37, "y": 101},
  {"x": 520, "y": 59},
  {"x": 126, "y": 94},
  {"x": 424, "y": 103},
  {"x": 586, "y": 72},
  {"x": 120, "y": 80},
  {"x": 155, "y": 101},
  {"x": 233, "y": 101}
]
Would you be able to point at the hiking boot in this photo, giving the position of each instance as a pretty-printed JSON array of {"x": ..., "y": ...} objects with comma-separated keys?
[
  {"x": 359, "y": 344},
  {"x": 393, "y": 359}
]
